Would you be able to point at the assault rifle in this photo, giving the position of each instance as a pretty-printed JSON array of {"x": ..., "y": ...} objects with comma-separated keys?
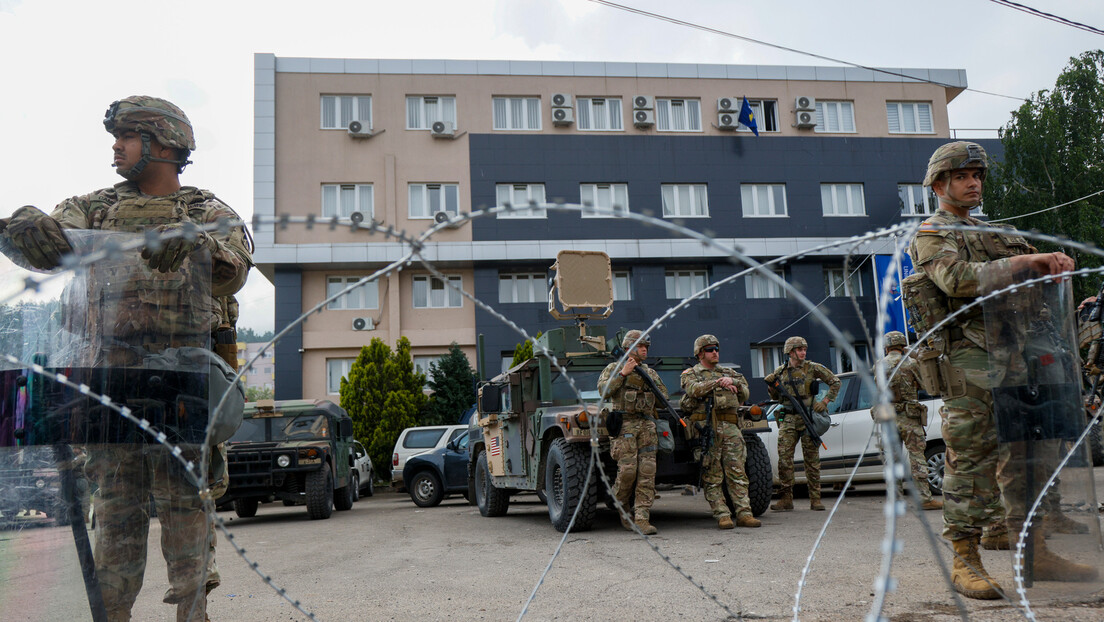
[
  {"x": 669, "y": 410},
  {"x": 800, "y": 408},
  {"x": 705, "y": 437}
]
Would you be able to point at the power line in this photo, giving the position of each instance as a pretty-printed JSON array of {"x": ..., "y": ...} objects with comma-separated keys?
[
  {"x": 1049, "y": 16},
  {"x": 1047, "y": 209}
]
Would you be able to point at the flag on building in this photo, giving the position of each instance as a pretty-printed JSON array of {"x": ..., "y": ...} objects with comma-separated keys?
[{"x": 747, "y": 117}]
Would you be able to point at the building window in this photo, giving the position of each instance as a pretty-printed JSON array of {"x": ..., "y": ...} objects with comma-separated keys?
[
  {"x": 431, "y": 292},
  {"x": 835, "y": 116},
  {"x": 766, "y": 115},
  {"x": 507, "y": 361},
  {"x": 765, "y": 359},
  {"x": 428, "y": 199},
  {"x": 685, "y": 283},
  {"x": 909, "y": 118},
  {"x": 842, "y": 200},
  {"x": 841, "y": 361},
  {"x": 530, "y": 287},
  {"x": 364, "y": 297},
  {"x": 519, "y": 195},
  {"x": 837, "y": 284},
  {"x": 763, "y": 200},
  {"x": 685, "y": 201},
  {"x": 516, "y": 113},
  {"x": 622, "y": 285},
  {"x": 599, "y": 113},
  {"x": 612, "y": 198},
  {"x": 339, "y": 110},
  {"x": 756, "y": 285},
  {"x": 336, "y": 369},
  {"x": 422, "y": 365},
  {"x": 678, "y": 115},
  {"x": 344, "y": 199},
  {"x": 916, "y": 200},
  {"x": 423, "y": 111}
]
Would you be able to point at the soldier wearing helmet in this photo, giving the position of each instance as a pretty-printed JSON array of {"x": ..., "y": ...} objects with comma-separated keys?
[
  {"x": 912, "y": 416},
  {"x": 799, "y": 378},
  {"x": 961, "y": 266},
  {"x": 634, "y": 447},
  {"x": 152, "y": 141},
  {"x": 725, "y": 389}
]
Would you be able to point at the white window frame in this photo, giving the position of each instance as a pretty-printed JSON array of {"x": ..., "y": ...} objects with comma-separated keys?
[
  {"x": 530, "y": 113},
  {"x": 532, "y": 286},
  {"x": 622, "y": 285},
  {"x": 422, "y": 111},
  {"x": 590, "y": 109},
  {"x": 678, "y": 115},
  {"x": 908, "y": 195},
  {"x": 902, "y": 114},
  {"x": 364, "y": 297},
  {"x": 685, "y": 200},
  {"x": 692, "y": 281},
  {"x": 765, "y": 359},
  {"x": 754, "y": 206},
  {"x": 853, "y": 204},
  {"x": 422, "y": 364},
  {"x": 613, "y": 198},
  {"x": 449, "y": 297},
  {"x": 345, "y": 204},
  {"x": 336, "y": 369},
  {"x": 766, "y": 116},
  {"x": 345, "y": 109},
  {"x": 836, "y": 355},
  {"x": 837, "y": 284},
  {"x": 835, "y": 117},
  {"x": 759, "y": 287},
  {"x": 520, "y": 194},
  {"x": 431, "y": 194}
]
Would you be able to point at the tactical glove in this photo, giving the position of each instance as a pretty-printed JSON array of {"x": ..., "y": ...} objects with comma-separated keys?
[
  {"x": 177, "y": 241},
  {"x": 37, "y": 237},
  {"x": 820, "y": 406}
]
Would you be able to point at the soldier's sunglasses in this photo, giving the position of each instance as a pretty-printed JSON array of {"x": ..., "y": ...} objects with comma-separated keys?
[{"x": 711, "y": 349}]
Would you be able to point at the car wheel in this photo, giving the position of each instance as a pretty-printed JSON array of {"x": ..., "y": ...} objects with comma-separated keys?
[
  {"x": 246, "y": 508},
  {"x": 370, "y": 489},
  {"x": 491, "y": 501},
  {"x": 425, "y": 490},
  {"x": 567, "y": 487},
  {"x": 356, "y": 486},
  {"x": 1096, "y": 445},
  {"x": 760, "y": 478},
  {"x": 320, "y": 493},
  {"x": 543, "y": 497},
  {"x": 935, "y": 456}
]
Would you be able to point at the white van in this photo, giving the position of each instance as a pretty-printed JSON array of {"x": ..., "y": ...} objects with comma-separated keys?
[{"x": 418, "y": 440}]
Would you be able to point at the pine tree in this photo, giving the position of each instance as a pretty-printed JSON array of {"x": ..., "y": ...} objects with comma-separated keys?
[
  {"x": 523, "y": 351},
  {"x": 453, "y": 384}
]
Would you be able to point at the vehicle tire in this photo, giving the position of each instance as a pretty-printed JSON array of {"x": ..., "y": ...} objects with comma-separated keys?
[
  {"x": 935, "y": 456},
  {"x": 370, "y": 489},
  {"x": 470, "y": 496},
  {"x": 246, "y": 508},
  {"x": 425, "y": 490},
  {"x": 343, "y": 497},
  {"x": 356, "y": 487},
  {"x": 758, "y": 469},
  {"x": 491, "y": 501},
  {"x": 1096, "y": 445},
  {"x": 566, "y": 486},
  {"x": 320, "y": 493},
  {"x": 542, "y": 496}
]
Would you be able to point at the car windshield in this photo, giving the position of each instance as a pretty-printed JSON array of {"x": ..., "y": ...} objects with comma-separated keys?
[{"x": 302, "y": 427}]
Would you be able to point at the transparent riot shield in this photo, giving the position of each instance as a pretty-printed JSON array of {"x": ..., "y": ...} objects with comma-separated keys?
[
  {"x": 103, "y": 419},
  {"x": 1034, "y": 367}
]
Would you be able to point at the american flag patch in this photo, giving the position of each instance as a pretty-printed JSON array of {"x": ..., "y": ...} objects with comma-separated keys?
[{"x": 495, "y": 447}]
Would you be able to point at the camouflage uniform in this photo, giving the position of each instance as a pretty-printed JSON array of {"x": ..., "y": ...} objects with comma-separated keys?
[
  {"x": 724, "y": 462},
  {"x": 905, "y": 385},
  {"x": 791, "y": 426}
]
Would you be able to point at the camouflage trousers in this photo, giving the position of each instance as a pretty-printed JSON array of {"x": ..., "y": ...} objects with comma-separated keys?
[
  {"x": 127, "y": 475},
  {"x": 914, "y": 438},
  {"x": 791, "y": 428},
  {"x": 635, "y": 452},
  {"x": 724, "y": 463}
]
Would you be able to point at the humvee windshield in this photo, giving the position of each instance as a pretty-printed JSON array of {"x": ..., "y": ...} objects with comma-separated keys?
[{"x": 275, "y": 429}]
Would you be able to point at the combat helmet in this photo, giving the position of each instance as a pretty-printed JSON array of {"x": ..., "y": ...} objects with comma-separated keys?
[
  {"x": 704, "y": 340},
  {"x": 954, "y": 156},
  {"x": 632, "y": 336},
  {"x": 794, "y": 342},
  {"x": 895, "y": 339},
  {"x": 152, "y": 118}
]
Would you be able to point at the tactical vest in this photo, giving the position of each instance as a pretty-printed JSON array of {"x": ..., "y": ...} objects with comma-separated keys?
[
  {"x": 723, "y": 399},
  {"x": 634, "y": 397},
  {"x": 804, "y": 383}
]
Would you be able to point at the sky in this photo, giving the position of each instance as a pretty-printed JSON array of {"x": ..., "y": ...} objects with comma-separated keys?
[{"x": 62, "y": 62}]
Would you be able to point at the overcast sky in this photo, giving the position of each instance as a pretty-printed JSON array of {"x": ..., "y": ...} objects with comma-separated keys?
[{"x": 63, "y": 61}]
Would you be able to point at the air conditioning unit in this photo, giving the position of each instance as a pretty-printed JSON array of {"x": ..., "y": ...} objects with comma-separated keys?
[
  {"x": 357, "y": 130},
  {"x": 561, "y": 100},
  {"x": 805, "y": 118},
  {"x": 644, "y": 118},
  {"x": 442, "y": 129},
  {"x": 643, "y": 102},
  {"x": 364, "y": 323},
  {"x": 563, "y": 116},
  {"x": 804, "y": 102},
  {"x": 444, "y": 217},
  {"x": 728, "y": 104},
  {"x": 727, "y": 120}
]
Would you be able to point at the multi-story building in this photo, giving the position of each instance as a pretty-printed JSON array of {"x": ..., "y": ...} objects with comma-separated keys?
[
  {"x": 839, "y": 151},
  {"x": 262, "y": 375}
]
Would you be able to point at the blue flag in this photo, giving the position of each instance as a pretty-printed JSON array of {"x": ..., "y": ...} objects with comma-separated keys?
[{"x": 747, "y": 117}]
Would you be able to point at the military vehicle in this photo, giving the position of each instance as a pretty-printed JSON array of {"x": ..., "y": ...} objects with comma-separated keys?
[
  {"x": 533, "y": 434},
  {"x": 298, "y": 451}
]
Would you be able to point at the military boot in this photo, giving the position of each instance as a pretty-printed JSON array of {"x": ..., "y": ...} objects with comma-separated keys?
[
  {"x": 192, "y": 610},
  {"x": 995, "y": 541},
  {"x": 747, "y": 520},
  {"x": 1057, "y": 522},
  {"x": 1050, "y": 567},
  {"x": 784, "y": 503},
  {"x": 933, "y": 504},
  {"x": 646, "y": 528},
  {"x": 725, "y": 522},
  {"x": 968, "y": 575},
  {"x": 626, "y": 523},
  {"x": 815, "y": 504}
]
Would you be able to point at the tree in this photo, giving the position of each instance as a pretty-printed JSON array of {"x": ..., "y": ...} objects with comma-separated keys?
[
  {"x": 383, "y": 396},
  {"x": 453, "y": 384},
  {"x": 252, "y": 394},
  {"x": 1053, "y": 154},
  {"x": 248, "y": 335},
  {"x": 523, "y": 351}
]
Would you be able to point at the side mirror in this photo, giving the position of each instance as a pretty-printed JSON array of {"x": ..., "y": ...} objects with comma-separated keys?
[
  {"x": 346, "y": 428},
  {"x": 490, "y": 399}
]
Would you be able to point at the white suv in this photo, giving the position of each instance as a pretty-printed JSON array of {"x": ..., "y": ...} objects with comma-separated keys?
[{"x": 414, "y": 441}]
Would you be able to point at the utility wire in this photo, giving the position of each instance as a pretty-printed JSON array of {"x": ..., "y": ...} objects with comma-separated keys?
[
  {"x": 1050, "y": 16},
  {"x": 1047, "y": 209}
]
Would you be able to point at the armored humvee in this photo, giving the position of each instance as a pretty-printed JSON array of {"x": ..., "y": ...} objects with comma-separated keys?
[{"x": 533, "y": 434}]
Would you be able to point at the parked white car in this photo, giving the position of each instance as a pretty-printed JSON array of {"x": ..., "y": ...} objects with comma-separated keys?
[
  {"x": 848, "y": 440},
  {"x": 418, "y": 440},
  {"x": 363, "y": 473}
]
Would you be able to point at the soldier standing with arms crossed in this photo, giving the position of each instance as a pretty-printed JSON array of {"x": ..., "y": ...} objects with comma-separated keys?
[
  {"x": 634, "y": 448},
  {"x": 796, "y": 377},
  {"x": 724, "y": 462}
]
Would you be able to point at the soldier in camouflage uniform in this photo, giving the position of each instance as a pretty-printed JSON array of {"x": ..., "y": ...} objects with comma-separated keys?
[
  {"x": 964, "y": 265},
  {"x": 912, "y": 416},
  {"x": 153, "y": 139},
  {"x": 634, "y": 448},
  {"x": 724, "y": 461},
  {"x": 797, "y": 377}
]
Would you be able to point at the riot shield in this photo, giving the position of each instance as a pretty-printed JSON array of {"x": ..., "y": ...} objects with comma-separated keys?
[
  {"x": 103, "y": 419},
  {"x": 1034, "y": 367}
]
